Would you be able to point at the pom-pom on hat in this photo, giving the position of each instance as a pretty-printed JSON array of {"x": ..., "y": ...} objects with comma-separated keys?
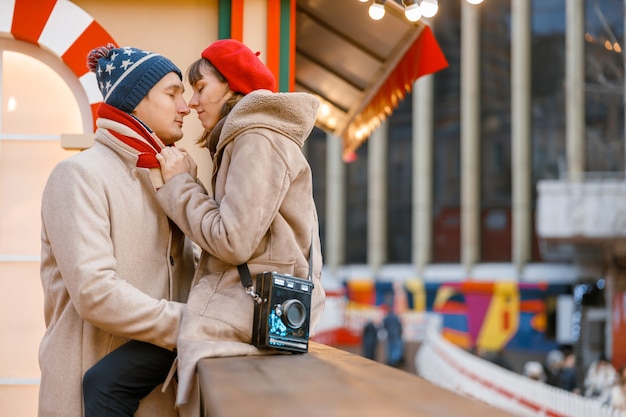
[
  {"x": 241, "y": 67},
  {"x": 125, "y": 75}
]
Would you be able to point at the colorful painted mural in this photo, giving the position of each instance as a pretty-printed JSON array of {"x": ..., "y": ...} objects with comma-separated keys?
[{"x": 476, "y": 314}]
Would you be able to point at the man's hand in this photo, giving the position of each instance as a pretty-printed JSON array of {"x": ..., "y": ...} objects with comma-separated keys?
[{"x": 175, "y": 161}]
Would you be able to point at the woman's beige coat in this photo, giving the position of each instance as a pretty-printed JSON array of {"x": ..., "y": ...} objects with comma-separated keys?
[
  {"x": 110, "y": 261},
  {"x": 262, "y": 213}
]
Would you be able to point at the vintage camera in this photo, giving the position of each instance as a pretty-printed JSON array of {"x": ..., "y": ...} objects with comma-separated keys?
[{"x": 282, "y": 317}]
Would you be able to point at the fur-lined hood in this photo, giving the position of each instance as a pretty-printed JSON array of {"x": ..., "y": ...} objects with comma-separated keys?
[{"x": 290, "y": 114}]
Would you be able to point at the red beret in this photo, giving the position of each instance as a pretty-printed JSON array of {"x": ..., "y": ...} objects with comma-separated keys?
[{"x": 241, "y": 67}]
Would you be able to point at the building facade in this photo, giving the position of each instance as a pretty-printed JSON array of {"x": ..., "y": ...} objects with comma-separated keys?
[{"x": 471, "y": 178}]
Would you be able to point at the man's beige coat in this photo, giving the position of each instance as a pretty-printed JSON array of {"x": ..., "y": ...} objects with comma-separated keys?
[{"x": 110, "y": 261}]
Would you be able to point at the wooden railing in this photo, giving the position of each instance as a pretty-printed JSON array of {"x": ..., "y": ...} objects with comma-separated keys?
[{"x": 325, "y": 382}]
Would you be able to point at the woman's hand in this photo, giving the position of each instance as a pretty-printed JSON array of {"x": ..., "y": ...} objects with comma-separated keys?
[
  {"x": 175, "y": 161},
  {"x": 193, "y": 167}
]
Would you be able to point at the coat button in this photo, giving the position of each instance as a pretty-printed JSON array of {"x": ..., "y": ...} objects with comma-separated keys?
[{"x": 172, "y": 260}]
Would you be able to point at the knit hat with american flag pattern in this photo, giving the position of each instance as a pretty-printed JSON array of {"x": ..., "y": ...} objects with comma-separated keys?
[{"x": 126, "y": 74}]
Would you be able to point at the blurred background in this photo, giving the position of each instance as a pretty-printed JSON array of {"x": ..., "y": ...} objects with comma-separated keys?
[{"x": 468, "y": 165}]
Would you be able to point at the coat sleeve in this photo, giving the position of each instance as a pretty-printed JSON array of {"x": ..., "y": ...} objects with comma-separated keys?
[
  {"x": 255, "y": 186},
  {"x": 77, "y": 230}
]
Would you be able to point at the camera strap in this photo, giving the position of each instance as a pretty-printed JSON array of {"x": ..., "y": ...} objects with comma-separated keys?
[
  {"x": 246, "y": 281},
  {"x": 246, "y": 278}
]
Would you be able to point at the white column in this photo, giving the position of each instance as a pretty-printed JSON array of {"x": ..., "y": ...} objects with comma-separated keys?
[
  {"x": 470, "y": 135},
  {"x": 334, "y": 245},
  {"x": 575, "y": 129},
  {"x": 377, "y": 198},
  {"x": 521, "y": 136},
  {"x": 422, "y": 131}
]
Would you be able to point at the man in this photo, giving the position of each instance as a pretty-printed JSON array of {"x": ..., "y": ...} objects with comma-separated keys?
[
  {"x": 395, "y": 343},
  {"x": 113, "y": 267},
  {"x": 568, "y": 379}
]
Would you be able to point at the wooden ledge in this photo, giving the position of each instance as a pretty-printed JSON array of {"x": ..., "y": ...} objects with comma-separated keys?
[{"x": 325, "y": 382}]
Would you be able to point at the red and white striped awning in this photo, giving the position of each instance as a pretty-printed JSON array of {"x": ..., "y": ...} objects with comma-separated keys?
[{"x": 62, "y": 28}]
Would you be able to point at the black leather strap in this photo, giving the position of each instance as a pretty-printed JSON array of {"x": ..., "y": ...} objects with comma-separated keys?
[{"x": 244, "y": 273}]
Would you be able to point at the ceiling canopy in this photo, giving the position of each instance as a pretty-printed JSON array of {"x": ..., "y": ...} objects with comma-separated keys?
[{"x": 360, "y": 68}]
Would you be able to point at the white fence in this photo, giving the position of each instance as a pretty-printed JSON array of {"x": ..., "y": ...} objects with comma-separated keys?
[{"x": 447, "y": 365}]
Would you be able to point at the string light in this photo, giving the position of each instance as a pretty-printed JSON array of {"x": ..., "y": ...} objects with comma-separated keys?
[
  {"x": 429, "y": 8},
  {"x": 414, "y": 10},
  {"x": 377, "y": 9}
]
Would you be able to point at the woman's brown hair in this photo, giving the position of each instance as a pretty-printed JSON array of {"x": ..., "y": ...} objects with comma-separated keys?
[{"x": 194, "y": 74}]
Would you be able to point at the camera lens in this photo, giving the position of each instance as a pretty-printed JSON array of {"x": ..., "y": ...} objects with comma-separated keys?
[{"x": 293, "y": 313}]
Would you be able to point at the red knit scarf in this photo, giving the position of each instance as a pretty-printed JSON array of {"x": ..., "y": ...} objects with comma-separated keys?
[{"x": 147, "y": 150}]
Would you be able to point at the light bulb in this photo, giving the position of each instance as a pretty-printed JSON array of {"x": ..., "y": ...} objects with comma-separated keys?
[
  {"x": 429, "y": 8},
  {"x": 11, "y": 104},
  {"x": 474, "y": 1},
  {"x": 377, "y": 11},
  {"x": 413, "y": 13}
]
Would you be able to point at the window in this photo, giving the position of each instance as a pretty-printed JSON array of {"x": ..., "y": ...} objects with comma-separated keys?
[
  {"x": 37, "y": 106},
  {"x": 356, "y": 207},
  {"x": 399, "y": 184},
  {"x": 495, "y": 161},
  {"x": 38, "y": 102},
  {"x": 604, "y": 79},
  {"x": 547, "y": 97},
  {"x": 447, "y": 140}
]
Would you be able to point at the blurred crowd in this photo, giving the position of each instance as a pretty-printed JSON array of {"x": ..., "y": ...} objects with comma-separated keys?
[
  {"x": 601, "y": 382},
  {"x": 389, "y": 331}
]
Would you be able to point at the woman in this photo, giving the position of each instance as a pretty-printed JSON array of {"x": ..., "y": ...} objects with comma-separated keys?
[{"x": 262, "y": 211}]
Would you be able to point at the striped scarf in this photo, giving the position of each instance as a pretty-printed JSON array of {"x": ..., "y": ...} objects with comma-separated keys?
[{"x": 146, "y": 143}]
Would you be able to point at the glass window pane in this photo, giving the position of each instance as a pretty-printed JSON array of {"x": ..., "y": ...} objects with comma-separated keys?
[
  {"x": 548, "y": 97},
  {"x": 604, "y": 79},
  {"x": 21, "y": 300},
  {"x": 447, "y": 142},
  {"x": 24, "y": 169},
  {"x": 316, "y": 155},
  {"x": 496, "y": 131},
  {"x": 399, "y": 180},
  {"x": 35, "y": 99},
  {"x": 356, "y": 208}
]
